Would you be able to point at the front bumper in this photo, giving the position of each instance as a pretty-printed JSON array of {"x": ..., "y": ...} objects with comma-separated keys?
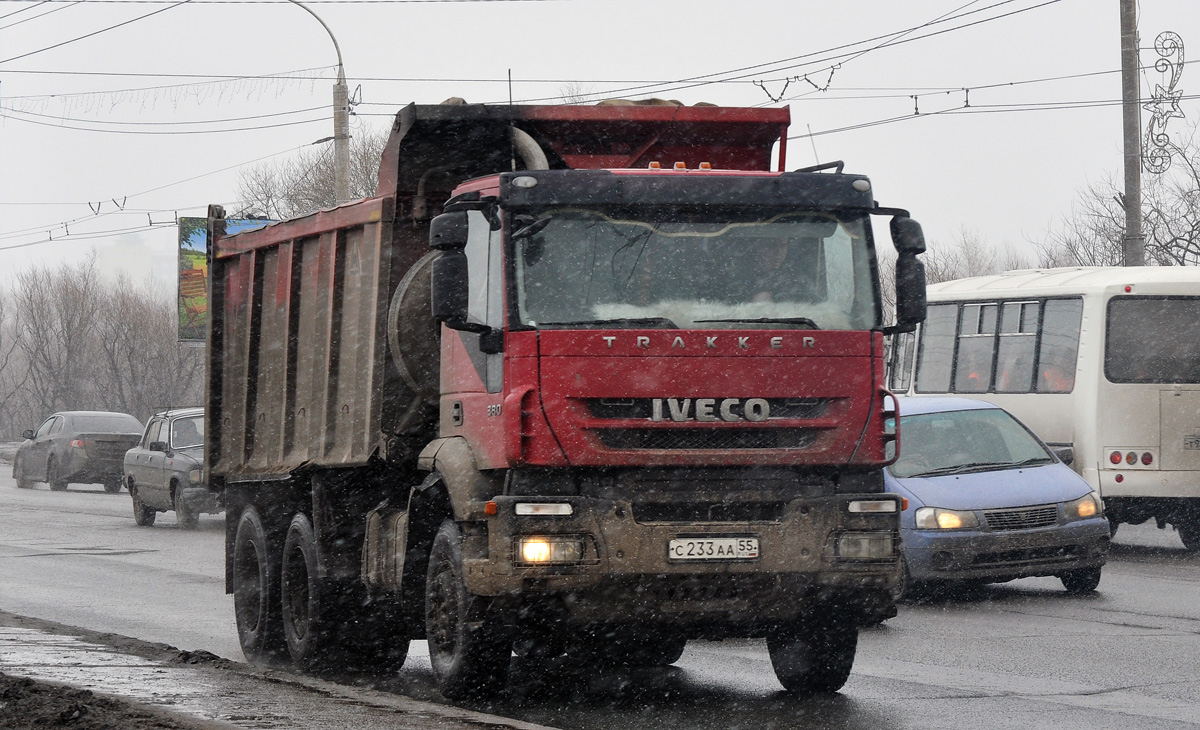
[
  {"x": 201, "y": 500},
  {"x": 626, "y": 573},
  {"x": 1000, "y": 556}
]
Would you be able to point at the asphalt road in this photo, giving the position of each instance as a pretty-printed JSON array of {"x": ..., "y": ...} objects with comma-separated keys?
[{"x": 1022, "y": 654}]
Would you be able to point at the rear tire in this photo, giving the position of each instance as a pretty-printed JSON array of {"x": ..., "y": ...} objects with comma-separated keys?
[
  {"x": 142, "y": 515},
  {"x": 1084, "y": 580},
  {"x": 310, "y": 614},
  {"x": 56, "y": 482},
  {"x": 1189, "y": 534},
  {"x": 23, "y": 480},
  {"x": 813, "y": 656},
  {"x": 256, "y": 589},
  {"x": 187, "y": 518},
  {"x": 470, "y": 658}
]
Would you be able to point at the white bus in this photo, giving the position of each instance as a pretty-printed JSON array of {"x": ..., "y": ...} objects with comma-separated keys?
[{"x": 1105, "y": 361}]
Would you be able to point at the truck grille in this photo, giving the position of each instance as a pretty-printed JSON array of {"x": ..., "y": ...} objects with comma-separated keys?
[
  {"x": 708, "y": 512},
  {"x": 1025, "y": 518},
  {"x": 706, "y": 438},
  {"x": 642, "y": 408}
]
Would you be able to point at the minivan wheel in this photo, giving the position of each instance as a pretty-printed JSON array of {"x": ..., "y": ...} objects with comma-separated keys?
[{"x": 1084, "y": 580}]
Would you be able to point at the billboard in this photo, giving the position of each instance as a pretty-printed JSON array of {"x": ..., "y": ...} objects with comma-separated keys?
[{"x": 193, "y": 272}]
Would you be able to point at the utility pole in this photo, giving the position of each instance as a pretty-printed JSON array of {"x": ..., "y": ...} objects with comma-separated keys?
[
  {"x": 341, "y": 120},
  {"x": 1133, "y": 245}
]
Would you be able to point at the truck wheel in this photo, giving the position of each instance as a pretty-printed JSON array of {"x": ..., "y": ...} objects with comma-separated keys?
[
  {"x": 311, "y": 617},
  {"x": 256, "y": 589},
  {"x": 469, "y": 657},
  {"x": 1079, "y": 581},
  {"x": 142, "y": 515},
  {"x": 184, "y": 515},
  {"x": 23, "y": 480},
  {"x": 56, "y": 482},
  {"x": 1189, "y": 534},
  {"x": 812, "y": 657}
]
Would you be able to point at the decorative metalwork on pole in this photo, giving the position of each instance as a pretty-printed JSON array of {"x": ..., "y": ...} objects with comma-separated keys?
[
  {"x": 341, "y": 120},
  {"x": 1164, "y": 105}
]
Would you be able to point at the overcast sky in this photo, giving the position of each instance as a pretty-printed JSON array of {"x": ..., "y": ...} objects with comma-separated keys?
[{"x": 112, "y": 123}]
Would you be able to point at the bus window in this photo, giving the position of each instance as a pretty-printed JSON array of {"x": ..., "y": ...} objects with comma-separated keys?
[
  {"x": 936, "y": 351},
  {"x": 976, "y": 348},
  {"x": 1015, "y": 351},
  {"x": 1060, "y": 345},
  {"x": 1152, "y": 340}
]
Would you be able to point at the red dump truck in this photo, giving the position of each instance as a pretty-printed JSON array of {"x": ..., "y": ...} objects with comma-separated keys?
[{"x": 581, "y": 382}]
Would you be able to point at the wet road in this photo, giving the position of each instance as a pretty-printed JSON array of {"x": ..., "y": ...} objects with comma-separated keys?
[{"x": 1022, "y": 654}]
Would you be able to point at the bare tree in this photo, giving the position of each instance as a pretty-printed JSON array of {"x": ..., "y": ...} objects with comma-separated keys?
[
  {"x": 55, "y": 315},
  {"x": 304, "y": 184},
  {"x": 1091, "y": 235}
]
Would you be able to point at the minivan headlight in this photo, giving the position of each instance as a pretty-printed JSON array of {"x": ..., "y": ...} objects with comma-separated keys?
[
  {"x": 936, "y": 518},
  {"x": 1086, "y": 507}
]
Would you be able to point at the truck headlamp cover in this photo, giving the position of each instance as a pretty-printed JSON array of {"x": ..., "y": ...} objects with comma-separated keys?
[
  {"x": 544, "y": 509},
  {"x": 548, "y": 550},
  {"x": 866, "y": 546},
  {"x": 860, "y": 506}
]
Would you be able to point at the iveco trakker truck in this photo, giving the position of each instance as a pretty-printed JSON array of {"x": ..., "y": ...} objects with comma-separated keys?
[{"x": 579, "y": 382}]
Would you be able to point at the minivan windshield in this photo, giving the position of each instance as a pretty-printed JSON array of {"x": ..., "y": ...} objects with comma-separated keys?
[
  {"x": 958, "y": 442},
  {"x": 578, "y": 267}
]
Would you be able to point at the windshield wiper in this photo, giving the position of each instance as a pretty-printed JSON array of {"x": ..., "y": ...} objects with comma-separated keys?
[
  {"x": 1031, "y": 461},
  {"x": 959, "y": 468},
  {"x": 648, "y": 322},
  {"x": 803, "y": 321}
]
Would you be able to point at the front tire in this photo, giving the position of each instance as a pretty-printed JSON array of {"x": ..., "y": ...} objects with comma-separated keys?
[
  {"x": 187, "y": 518},
  {"x": 813, "y": 656},
  {"x": 1084, "y": 580},
  {"x": 470, "y": 658},
  {"x": 256, "y": 589},
  {"x": 57, "y": 483},
  {"x": 142, "y": 515}
]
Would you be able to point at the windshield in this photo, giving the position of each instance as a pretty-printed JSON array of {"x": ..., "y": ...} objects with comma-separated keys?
[
  {"x": 187, "y": 432},
  {"x": 580, "y": 267},
  {"x": 960, "y": 441}
]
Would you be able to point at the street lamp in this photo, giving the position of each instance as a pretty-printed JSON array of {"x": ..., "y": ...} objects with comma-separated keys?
[{"x": 341, "y": 120}]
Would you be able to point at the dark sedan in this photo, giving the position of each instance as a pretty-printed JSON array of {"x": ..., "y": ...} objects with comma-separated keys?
[
  {"x": 165, "y": 470},
  {"x": 80, "y": 447}
]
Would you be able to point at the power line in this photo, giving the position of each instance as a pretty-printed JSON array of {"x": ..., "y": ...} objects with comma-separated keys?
[
  {"x": 170, "y": 123},
  {"x": 10, "y": 115},
  {"x": 28, "y": 7},
  {"x": 48, "y": 12},
  {"x": 96, "y": 32}
]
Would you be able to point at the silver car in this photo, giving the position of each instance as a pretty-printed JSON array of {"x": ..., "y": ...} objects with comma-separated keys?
[{"x": 165, "y": 471}]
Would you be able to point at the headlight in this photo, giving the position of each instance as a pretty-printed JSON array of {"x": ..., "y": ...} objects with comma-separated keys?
[
  {"x": 935, "y": 518},
  {"x": 196, "y": 476},
  {"x": 1089, "y": 505},
  {"x": 866, "y": 546},
  {"x": 548, "y": 550}
]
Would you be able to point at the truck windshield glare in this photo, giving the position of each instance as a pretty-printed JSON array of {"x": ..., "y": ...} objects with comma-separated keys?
[{"x": 697, "y": 272}]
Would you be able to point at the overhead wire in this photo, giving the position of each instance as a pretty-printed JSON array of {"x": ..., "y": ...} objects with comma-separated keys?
[
  {"x": 36, "y": 17},
  {"x": 96, "y": 32}
]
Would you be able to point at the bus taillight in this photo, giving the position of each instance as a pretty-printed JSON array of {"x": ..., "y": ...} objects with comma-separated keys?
[
  {"x": 1147, "y": 458},
  {"x": 1115, "y": 457}
]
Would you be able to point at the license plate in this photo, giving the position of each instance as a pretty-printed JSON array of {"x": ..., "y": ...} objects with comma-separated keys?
[{"x": 713, "y": 548}]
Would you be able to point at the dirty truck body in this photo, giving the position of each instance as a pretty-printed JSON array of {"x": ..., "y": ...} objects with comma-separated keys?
[{"x": 523, "y": 400}]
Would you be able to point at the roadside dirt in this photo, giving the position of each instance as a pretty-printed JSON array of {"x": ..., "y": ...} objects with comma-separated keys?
[{"x": 26, "y": 704}]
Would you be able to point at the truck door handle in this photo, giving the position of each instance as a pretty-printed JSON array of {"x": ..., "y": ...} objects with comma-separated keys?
[{"x": 456, "y": 413}]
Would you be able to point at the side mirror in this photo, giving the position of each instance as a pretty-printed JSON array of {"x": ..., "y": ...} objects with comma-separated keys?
[
  {"x": 448, "y": 291},
  {"x": 907, "y": 235},
  {"x": 910, "y": 292},
  {"x": 1065, "y": 454},
  {"x": 27, "y": 434},
  {"x": 158, "y": 446},
  {"x": 448, "y": 231}
]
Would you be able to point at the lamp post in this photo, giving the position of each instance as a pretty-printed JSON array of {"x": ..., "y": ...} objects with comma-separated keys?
[{"x": 341, "y": 120}]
